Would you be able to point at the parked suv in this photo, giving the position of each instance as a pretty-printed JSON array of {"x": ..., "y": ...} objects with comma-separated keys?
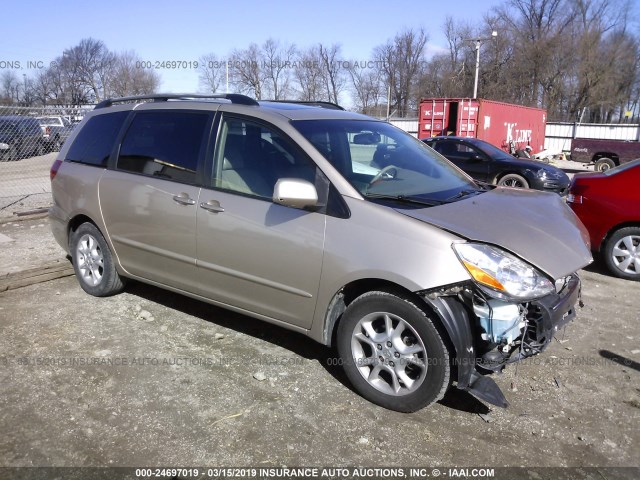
[
  {"x": 419, "y": 276},
  {"x": 20, "y": 137}
]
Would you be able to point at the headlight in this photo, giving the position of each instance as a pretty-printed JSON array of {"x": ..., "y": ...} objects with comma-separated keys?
[
  {"x": 542, "y": 173},
  {"x": 503, "y": 273}
]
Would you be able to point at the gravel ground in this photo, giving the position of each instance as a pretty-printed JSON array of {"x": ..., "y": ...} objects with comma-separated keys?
[{"x": 153, "y": 378}]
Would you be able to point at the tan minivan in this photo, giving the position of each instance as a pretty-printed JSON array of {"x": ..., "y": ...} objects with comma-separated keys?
[{"x": 326, "y": 222}]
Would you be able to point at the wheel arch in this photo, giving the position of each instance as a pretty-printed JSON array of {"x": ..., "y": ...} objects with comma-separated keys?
[
  {"x": 78, "y": 220},
  {"x": 450, "y": 318},
  {"x": 614, "y": 229},
  {"x": 504, "y": 173},
  {"x": 347, "y": 294},
  {"x": 613, "y": 156}
]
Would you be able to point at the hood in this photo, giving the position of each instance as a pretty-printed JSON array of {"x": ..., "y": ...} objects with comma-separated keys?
[
  {"x": 538, "y": 227},
  {"x": 531, "y": 164}
]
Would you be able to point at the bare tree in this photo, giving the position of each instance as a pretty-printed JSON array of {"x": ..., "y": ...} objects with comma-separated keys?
[
  {"x": 212, "y": 72},
  {"x": 10, "y": 86},
  {"x": 246, "y": 71},
  {"x": 127, "y": 78},
  {"x": 42, "y": 87},
  {"x": 319, "y": 73},
  {"x": 366, "y": 87},
  {"x": 91, "y": 65},
  {"x": 400, "y": 61},
  {"x": 308, "y": 75},
  {"x": 450, "y": 74},
  {"x": 277, "y": 64},
  {"x": 332, "y": 72}
]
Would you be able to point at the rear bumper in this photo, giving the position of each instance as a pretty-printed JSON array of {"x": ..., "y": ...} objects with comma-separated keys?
[{"x": 58, "y": 225}]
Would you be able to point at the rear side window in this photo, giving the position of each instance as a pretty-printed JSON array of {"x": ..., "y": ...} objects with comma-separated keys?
[
  {"x": 95, "y": 141},
  {"x": 164, "y": 144}
]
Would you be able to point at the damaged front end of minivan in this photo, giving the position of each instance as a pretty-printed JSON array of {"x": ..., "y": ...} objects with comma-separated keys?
[
  {"x": 513, "y": 303},
  {"x": 490, "y": 330}
]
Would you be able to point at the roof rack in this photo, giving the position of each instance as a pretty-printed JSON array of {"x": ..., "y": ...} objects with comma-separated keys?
[
  {"x": 329, "y": 105},
  {"x": 163, "y": 97}
]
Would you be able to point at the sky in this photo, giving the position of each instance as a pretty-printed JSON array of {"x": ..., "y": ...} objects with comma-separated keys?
[{"x": 185, "y": 30}]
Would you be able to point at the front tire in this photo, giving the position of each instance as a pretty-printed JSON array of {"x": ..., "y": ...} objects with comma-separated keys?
[
  {"x": 93, "y": 262},
  {"x": 392, "y": 352},
  {"x": 622, "y": 253},
  {"x": 513, "y": 180}
]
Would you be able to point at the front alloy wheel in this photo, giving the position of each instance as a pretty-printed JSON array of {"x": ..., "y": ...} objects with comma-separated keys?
[
  {"x": 513, "y": 180},
  {"x": 392, "y": 352},
  {"x": 389, "y": 353}
]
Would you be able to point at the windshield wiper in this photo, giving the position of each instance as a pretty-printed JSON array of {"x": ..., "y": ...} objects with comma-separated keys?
[
  {"x": 484, "y": 185},
  {"x": 404, "y": 199},
  {"x": 462, "y": 193}
]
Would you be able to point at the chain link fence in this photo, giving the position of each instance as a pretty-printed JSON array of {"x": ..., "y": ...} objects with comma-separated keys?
[{"x": 29, "y": 140}]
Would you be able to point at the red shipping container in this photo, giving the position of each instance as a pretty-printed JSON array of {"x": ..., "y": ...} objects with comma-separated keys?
[{"x": 505, "y": 125}]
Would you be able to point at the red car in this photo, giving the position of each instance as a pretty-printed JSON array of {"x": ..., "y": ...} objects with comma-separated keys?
[{"x": 608, "y": 204}]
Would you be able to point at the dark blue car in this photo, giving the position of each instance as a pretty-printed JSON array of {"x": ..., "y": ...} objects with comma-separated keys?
[{"x": 487, "y": 163}]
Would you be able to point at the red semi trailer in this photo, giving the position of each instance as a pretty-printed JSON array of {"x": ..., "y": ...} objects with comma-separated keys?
[{"x": 504, "y": 125}]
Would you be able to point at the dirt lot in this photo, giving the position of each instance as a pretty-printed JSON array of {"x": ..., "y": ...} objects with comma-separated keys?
[{"x": 151, "y": 378}]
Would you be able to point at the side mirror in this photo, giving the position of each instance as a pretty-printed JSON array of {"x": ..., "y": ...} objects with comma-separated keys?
[{"x": 295, "y": 192}]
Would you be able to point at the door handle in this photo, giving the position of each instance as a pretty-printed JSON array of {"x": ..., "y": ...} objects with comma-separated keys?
[
  {"x": 184, "y": 199},
  {"x": 212, "y": 206}
]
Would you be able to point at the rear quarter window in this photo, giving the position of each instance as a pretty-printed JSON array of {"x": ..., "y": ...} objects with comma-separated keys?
[{"x": 95, "y": 141}]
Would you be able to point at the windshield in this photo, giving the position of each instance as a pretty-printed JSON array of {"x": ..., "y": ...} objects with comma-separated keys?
[{"x": 382, "y": 161}]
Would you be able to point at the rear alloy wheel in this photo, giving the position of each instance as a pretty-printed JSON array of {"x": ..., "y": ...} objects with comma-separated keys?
[
  {"x": 513, "y": 180},
  {"x": 392, "y": 352},
  {"x": 604, "y": 164},
  {"x": 93, "y": 262},
  {"x": 622, "y": 253}
]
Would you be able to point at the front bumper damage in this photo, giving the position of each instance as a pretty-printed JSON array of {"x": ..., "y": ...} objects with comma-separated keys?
[{"x": 487, "y": 334}]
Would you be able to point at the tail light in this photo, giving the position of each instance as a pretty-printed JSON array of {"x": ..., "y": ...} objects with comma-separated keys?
[
  {"x": 576, "y": 192},
  {"x": 574, "y": 198},
  {"x": 54, "y": 169},
  {"x": 47, "y": 130}
]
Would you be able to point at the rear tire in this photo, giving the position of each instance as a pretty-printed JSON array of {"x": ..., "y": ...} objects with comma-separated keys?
[
  {"x": 604, "y": 164},
  {"x": 513, "y": 180},
  {"x": 622, "y": 253},
  {"x": 93, "y": 262},
  {"x": 392, "y": 352}
]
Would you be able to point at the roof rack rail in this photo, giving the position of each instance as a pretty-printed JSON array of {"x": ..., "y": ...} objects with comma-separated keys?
[
  {"x": 163, "y": 97},
  {"x": 321, "y": 104}
]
